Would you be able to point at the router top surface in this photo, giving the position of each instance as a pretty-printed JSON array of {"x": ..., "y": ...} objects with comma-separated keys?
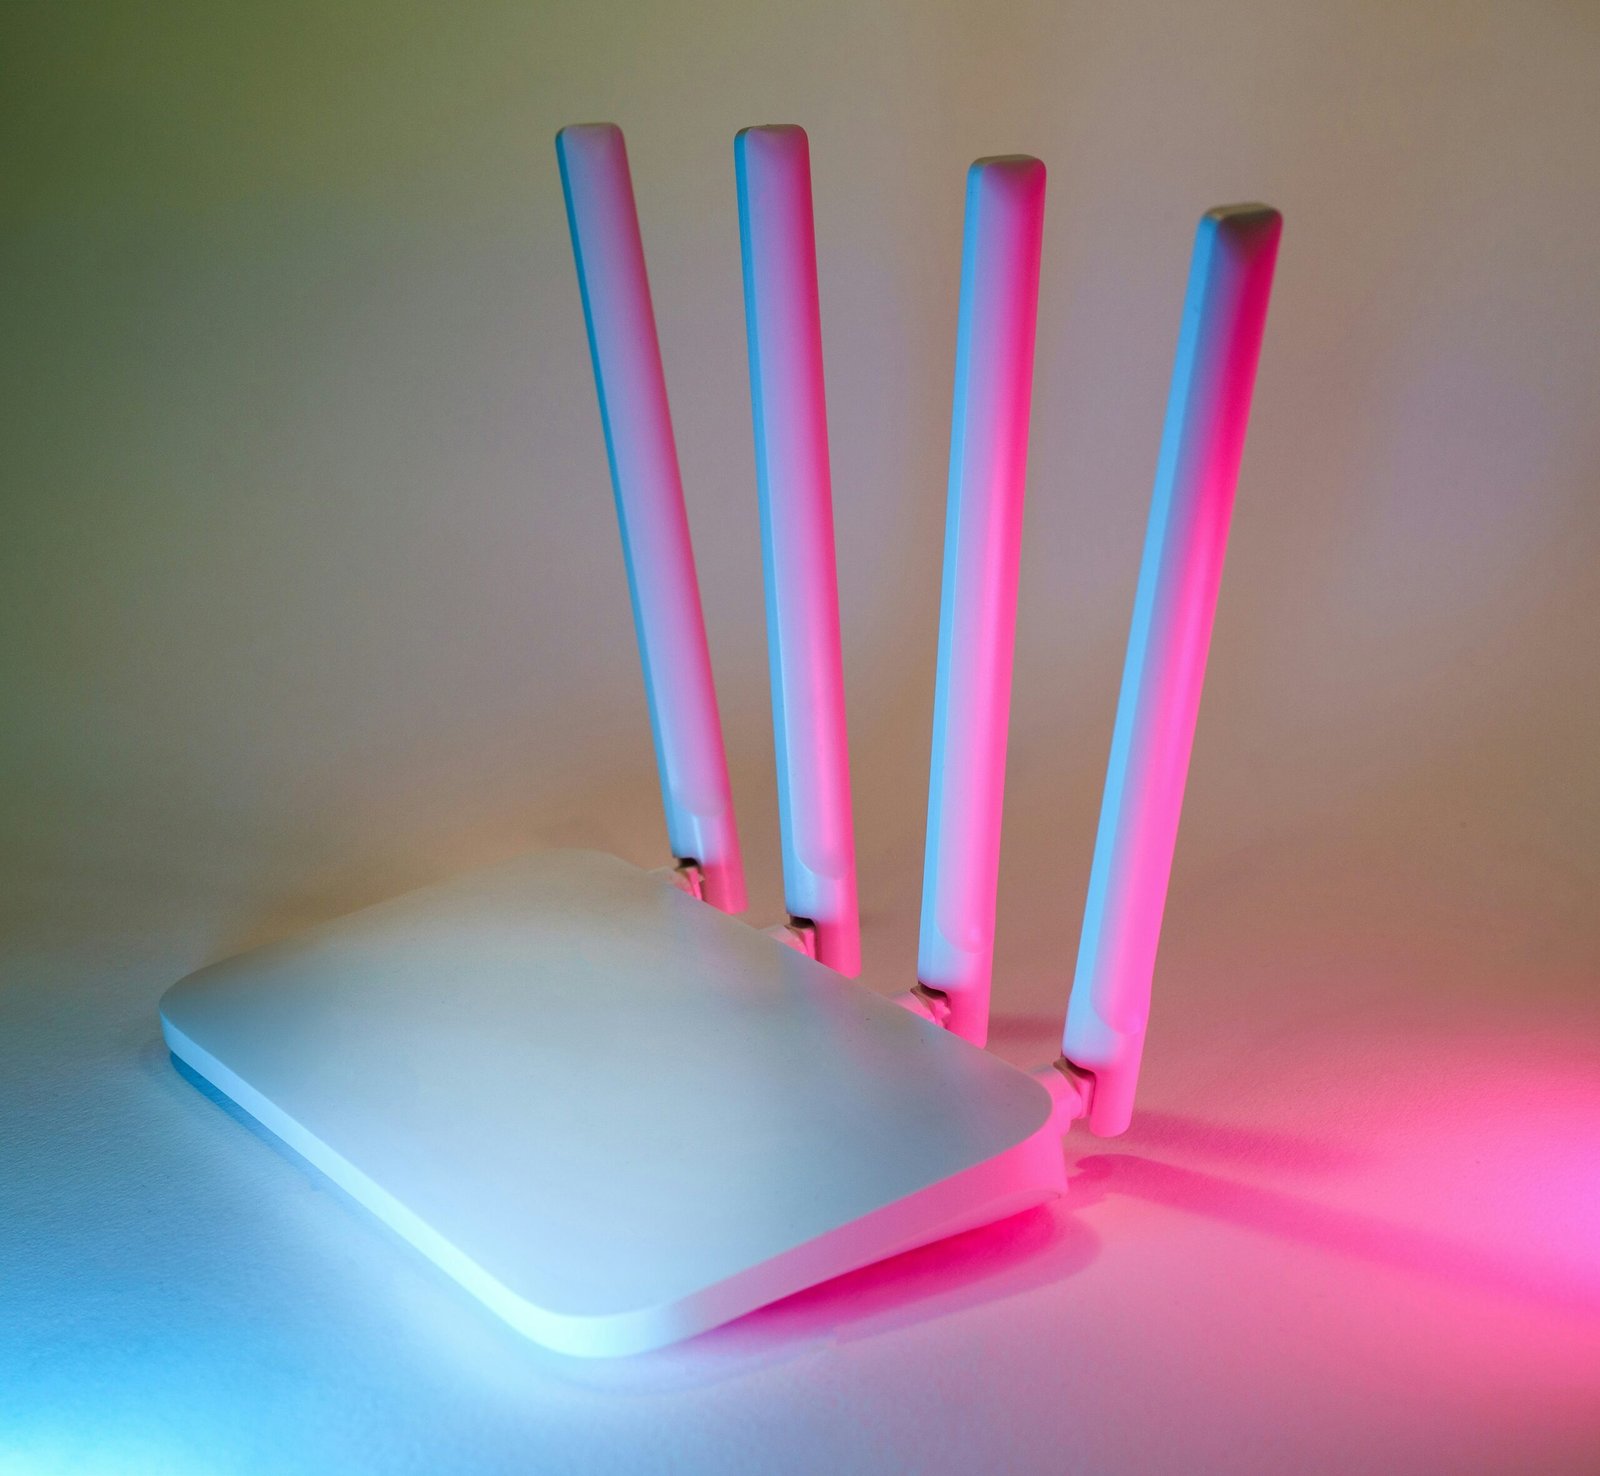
[{"x": 614, "y": 1113}]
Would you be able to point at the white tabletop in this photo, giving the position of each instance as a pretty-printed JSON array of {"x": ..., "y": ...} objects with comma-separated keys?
[{"x": 1353, "y": 1228}]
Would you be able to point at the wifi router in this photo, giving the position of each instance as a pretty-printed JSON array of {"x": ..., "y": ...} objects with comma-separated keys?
[{"x": 612, "y": 1111}]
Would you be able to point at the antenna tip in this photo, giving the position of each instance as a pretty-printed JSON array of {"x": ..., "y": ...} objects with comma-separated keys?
[
  {"x": 1244, "y": 224},
  {"x": 1018, "y": 170},
  {"x": 592, "y": 135},
  {"x": 772, "y": 130},
  {"x": 772, "y": 142}
]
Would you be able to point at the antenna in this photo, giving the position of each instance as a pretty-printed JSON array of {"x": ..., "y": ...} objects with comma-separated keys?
[
  {"x": 667, "y": 616},
  {"x": 1230, "y": 279},
  {"x": 978, "y": 602},
  {"x": 788, "y": 406}
]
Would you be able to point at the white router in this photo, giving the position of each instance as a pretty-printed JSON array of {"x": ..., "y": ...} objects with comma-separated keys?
[{"x": 609, "y": 1109}]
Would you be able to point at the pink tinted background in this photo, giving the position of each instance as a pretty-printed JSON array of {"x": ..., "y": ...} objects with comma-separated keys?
[{"x": 313, "y": 594}]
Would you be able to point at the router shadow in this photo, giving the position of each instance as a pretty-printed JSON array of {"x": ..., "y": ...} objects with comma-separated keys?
[
  {"x": 1036, "y": 1248},
  {"x": 1031, "y": 1250},
  {"x": 1354, "y": 1234}
]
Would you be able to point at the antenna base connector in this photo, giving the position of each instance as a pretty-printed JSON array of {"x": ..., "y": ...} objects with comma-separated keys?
[
  {"x": 931, "y": 1004},
  {"x": 685, "y": 875},
  {"x": 1071, "y": 1089},
  {"x": 799, "y": 933}
]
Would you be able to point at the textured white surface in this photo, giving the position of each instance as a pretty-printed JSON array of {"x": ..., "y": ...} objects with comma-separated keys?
[{"x": 1328, "y": 1243}]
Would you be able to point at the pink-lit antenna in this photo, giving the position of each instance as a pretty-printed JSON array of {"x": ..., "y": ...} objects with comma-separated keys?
[
  {"x": 667, "y": 617},
  {"x": 784, "y": 330},
  {"x": 1219, "y": 343},
  {"x": 978, "y": 602}
]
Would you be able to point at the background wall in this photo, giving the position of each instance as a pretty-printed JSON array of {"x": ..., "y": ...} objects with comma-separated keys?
[
  {"x": 309, "y": 575},
  {"x": 310, "y": 566}
]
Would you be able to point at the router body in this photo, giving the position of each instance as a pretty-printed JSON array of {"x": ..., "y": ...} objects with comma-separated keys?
[{"x": 616, "y": 1115}]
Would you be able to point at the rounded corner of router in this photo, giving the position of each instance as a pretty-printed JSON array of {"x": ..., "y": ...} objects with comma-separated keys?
[
  {"x": 172, "y": 999},
  {"x": 594, "y": 1335}
]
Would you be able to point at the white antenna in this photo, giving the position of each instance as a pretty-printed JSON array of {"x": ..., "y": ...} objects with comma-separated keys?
[
  {"x": 978, "y": 603},
  {"x": 1224, "y": 314},
  {"x": 788, "y": 406},
  {"x": 667, "y": 616}
]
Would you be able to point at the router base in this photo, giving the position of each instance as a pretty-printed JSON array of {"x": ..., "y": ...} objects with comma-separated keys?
[{"x": 612, "y": 1113}]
